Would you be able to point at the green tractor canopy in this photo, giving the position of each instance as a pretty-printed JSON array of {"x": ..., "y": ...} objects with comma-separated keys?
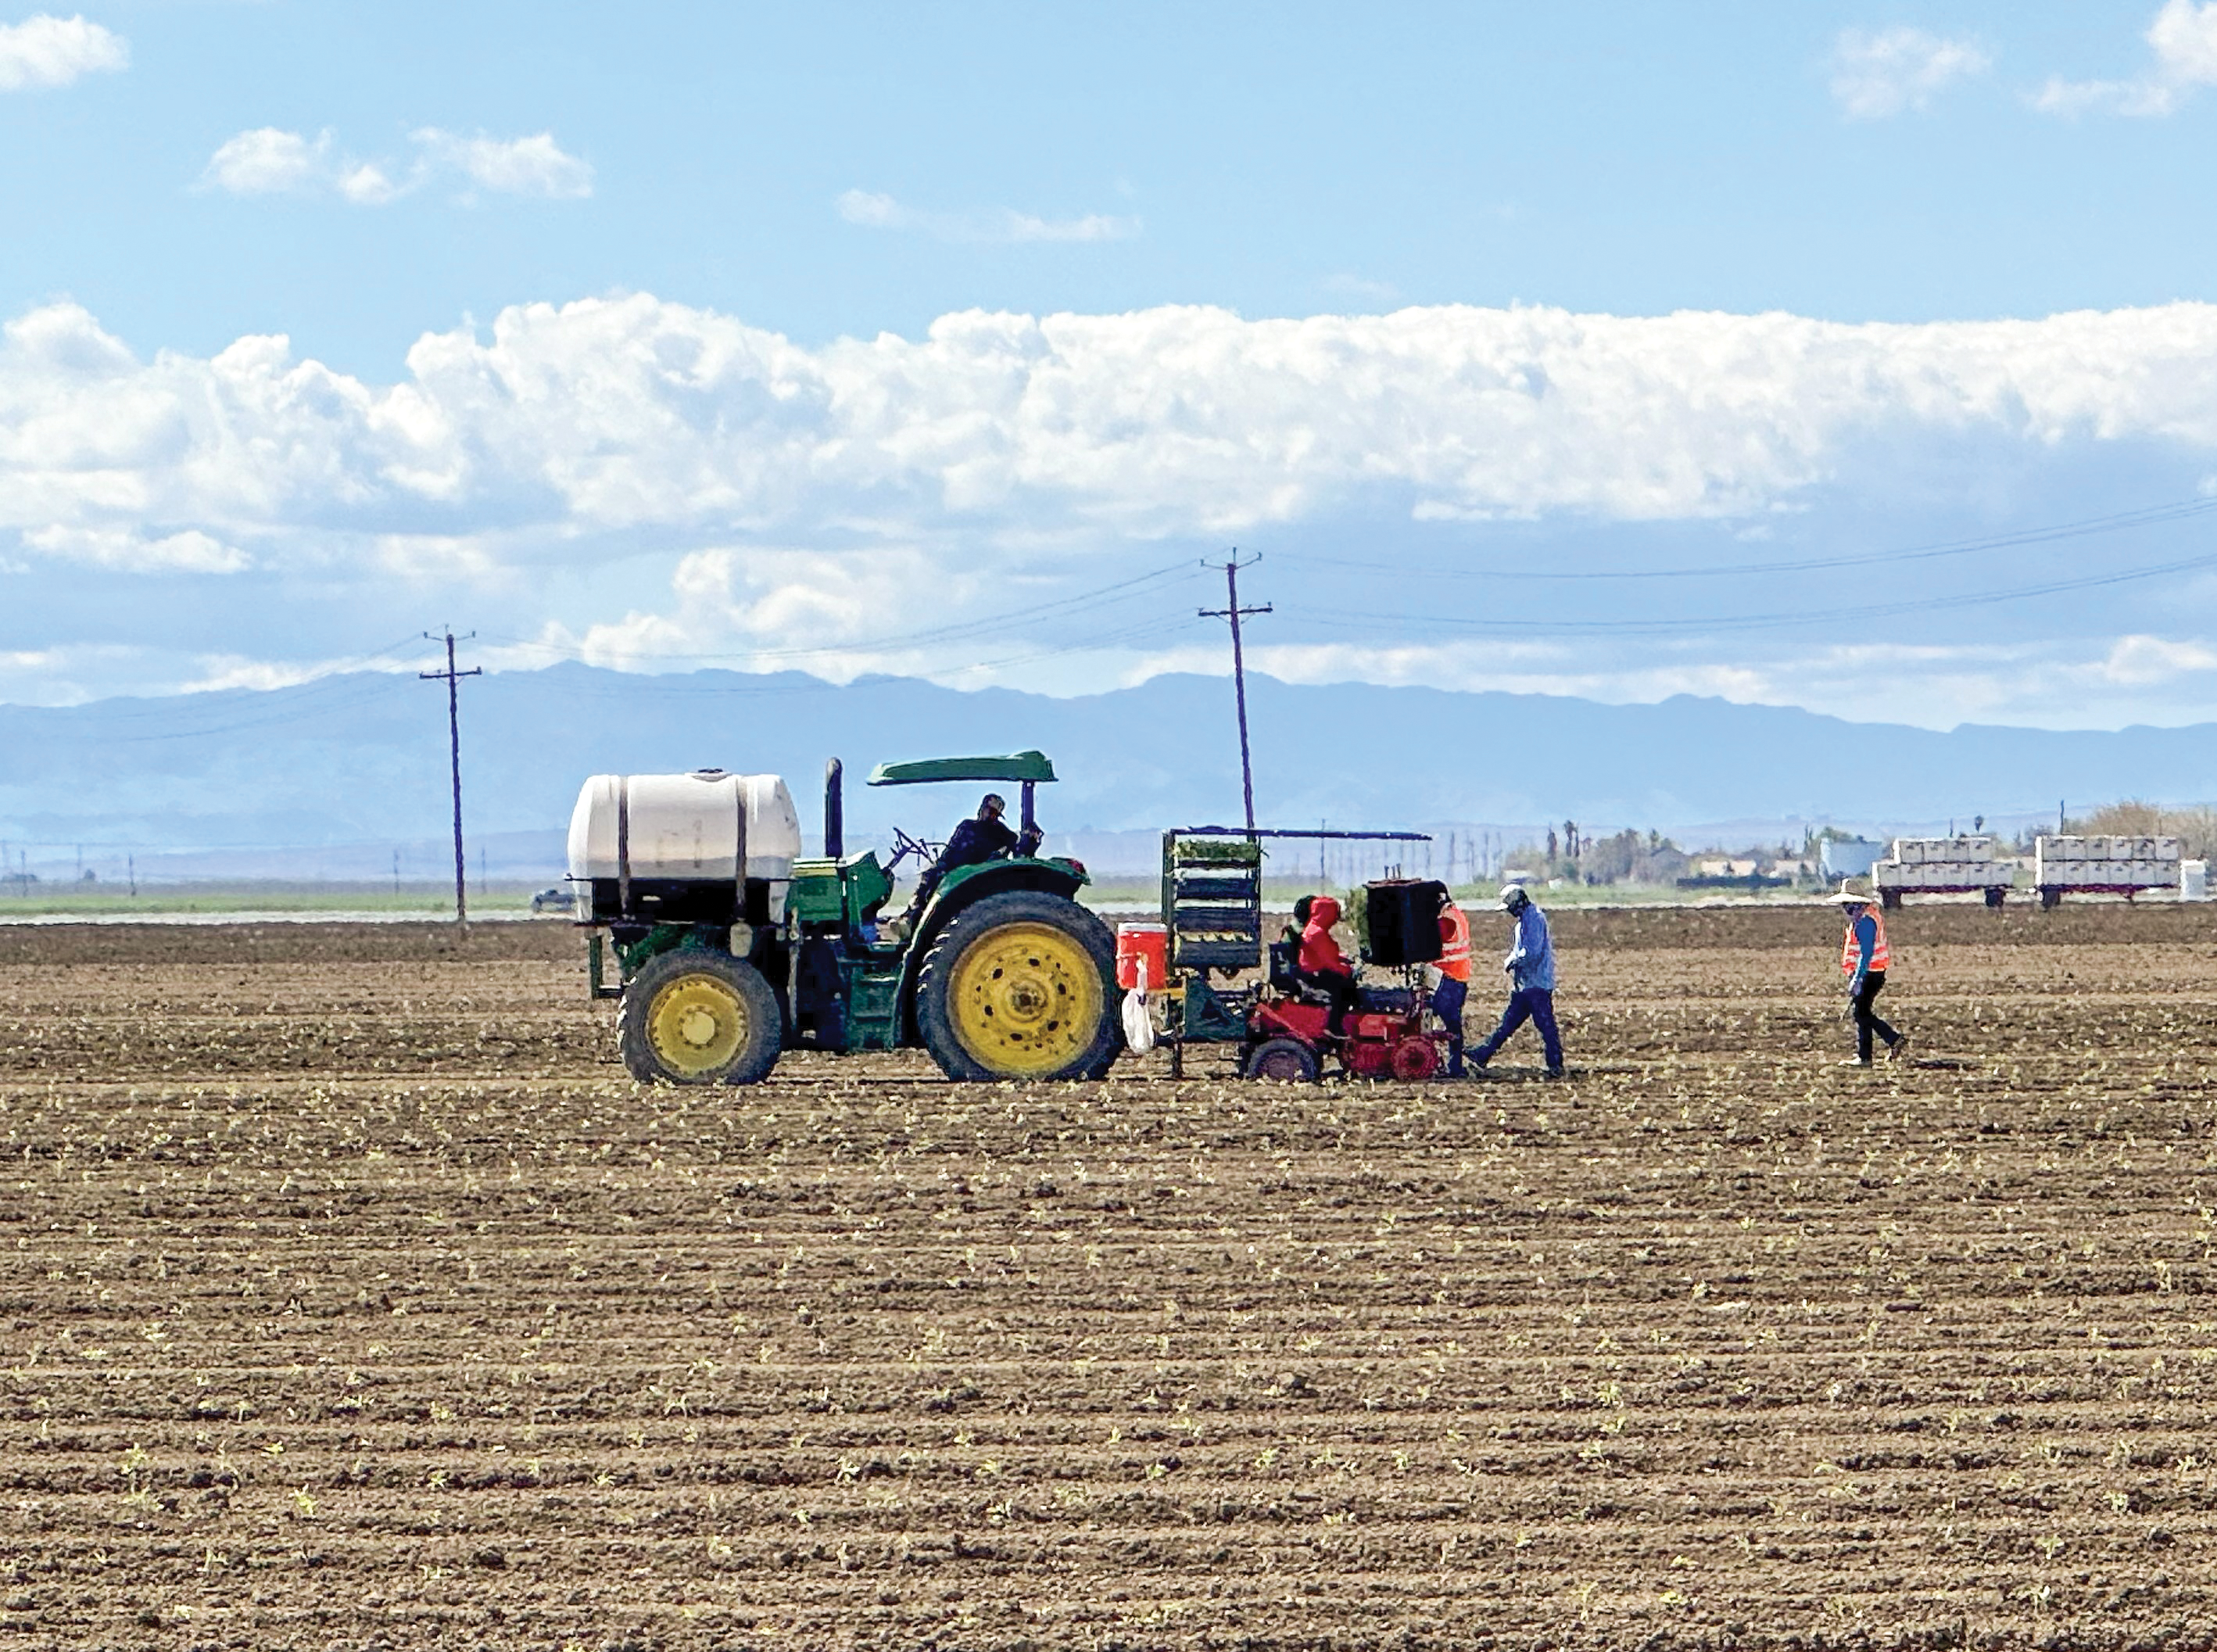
[{"x": 1029, "y": 767}]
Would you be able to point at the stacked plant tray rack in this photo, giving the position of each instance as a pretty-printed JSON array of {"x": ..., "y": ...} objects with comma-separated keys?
[
  {"x": 1964, "y": 865},
  {"x": 2105, "y": 865}
]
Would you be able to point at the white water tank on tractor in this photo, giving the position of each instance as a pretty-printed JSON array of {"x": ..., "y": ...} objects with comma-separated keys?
[{"x": 649, "y": 832}]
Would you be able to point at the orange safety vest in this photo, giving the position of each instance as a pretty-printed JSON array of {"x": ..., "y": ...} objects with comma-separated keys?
[
  {"x": 1455, "y": 944},
  {"x": 1879, "y": 956}
]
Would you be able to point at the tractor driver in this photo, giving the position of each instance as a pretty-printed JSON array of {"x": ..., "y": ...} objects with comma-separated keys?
[
  {"x": 1321, "y": 966},
  {"x": 982, "y": 837}
]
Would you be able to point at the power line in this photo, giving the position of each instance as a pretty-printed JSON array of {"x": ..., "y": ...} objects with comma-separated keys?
[
  {"x": 340, "y": 688},
  {"x": 2143, "y": 517},
  {"x": 454, "y": 680},
  {"x": 1139, "y": 632},
  {"x": 1234, "y": 613},
  {"x": 1084, "y": 602},
  {"x": 364, "y": 693},
  {"x": 1344, "y": 618}
]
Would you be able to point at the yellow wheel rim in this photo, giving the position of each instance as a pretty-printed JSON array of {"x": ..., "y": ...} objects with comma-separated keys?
[
  {"x": 696, "y": 1023},
  {"x": 1026, "y": 999}
]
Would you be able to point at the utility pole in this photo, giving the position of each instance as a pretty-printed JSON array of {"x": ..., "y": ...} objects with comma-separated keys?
[
  {"x": 1233, "y": 612},
  {"x": 454, "y": 752}
]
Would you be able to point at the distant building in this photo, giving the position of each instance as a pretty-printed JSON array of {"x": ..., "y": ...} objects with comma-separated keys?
[{"x": 1849, "y": 856}]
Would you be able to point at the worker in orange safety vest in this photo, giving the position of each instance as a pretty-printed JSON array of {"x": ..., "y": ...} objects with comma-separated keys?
[
  {"x": 1454, "y": 989},
  {"x": 1864, "y": 956}
]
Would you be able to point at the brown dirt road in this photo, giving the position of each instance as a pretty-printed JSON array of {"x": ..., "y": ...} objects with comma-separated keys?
[{"x": 351, "y": 1295}]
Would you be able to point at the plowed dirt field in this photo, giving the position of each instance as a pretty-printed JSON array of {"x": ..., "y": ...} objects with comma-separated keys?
[{"x": 351, "y": 1295}]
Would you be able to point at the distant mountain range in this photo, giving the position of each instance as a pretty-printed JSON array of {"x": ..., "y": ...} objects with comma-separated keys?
[{"x": 359, "y": 762}]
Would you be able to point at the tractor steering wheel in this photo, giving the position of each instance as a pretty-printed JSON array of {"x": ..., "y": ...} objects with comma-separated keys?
[{"x": 905, "y": 845}]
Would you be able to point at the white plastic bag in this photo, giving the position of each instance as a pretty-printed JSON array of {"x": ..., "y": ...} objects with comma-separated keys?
[{"x": 1139, "y": 1026}]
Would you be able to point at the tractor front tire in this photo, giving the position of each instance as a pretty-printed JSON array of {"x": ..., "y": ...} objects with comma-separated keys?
[
  {"x": 1020, "y": 985},
  {"x": 1281, "y": 1060},
  {"x": 699, "y": 1017}
]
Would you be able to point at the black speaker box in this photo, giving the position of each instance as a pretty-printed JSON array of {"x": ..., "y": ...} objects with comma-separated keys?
[{"x": 1404, "y": 920}]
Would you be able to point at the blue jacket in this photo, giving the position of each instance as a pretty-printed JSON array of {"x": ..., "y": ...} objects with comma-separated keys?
[
  {"x": 1531, "y": 961},
  {"x": 973, "y": 843}
]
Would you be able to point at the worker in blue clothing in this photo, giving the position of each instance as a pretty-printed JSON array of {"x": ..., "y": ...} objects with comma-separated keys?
[
  {"x": 973, "y": 842},
  {"x": 1531, "y": 970},
  {"x": 1864, "y": 957}
]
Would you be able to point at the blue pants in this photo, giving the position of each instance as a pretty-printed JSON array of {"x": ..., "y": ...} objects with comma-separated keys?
[
  {"x": 1447, "y": 1000},
  {"x": 1532, "y": 1004}
]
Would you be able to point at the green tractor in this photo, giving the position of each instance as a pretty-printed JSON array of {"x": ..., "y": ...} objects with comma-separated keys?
[{"x": 729, "y": 948}]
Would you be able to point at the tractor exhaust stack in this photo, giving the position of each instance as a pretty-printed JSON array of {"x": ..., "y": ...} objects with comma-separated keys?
[{"x": 835, "y": 812}]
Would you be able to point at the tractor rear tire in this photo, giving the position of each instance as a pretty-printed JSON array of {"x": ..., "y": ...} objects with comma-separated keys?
[
  {"x": 1415, "y": 1060},
  {"x": 1020, "y": 985},
  {"x": 1284, "y": 1060},
  {"x": 691, "y": 1017}
]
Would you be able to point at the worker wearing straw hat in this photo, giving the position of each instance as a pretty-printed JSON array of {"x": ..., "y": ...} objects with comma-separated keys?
[{"x": 1863, "y": 960}]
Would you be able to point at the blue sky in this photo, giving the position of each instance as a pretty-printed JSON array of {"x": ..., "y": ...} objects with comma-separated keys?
[
  {"x": 1279, "y": 160},
  {"x": 582, "y": 314}
]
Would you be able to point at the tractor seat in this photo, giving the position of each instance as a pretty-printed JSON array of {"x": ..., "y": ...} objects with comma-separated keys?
[{"x": 1283, "y": 979}]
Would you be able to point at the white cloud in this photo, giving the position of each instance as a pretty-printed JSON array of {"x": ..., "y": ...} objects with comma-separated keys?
[
  {"x": 630, "y": 412},
  {"x": 367, "y": 185},
  {"x": 882, "y": 212},
  {"x": 874, "y": 211},
  {"x": 219, "y": 672},
  {"x": 536, "y": 166},
  {"x": 844, "y": 497},
  {"x": 48, "y": 51},
  {"x": 2184, "y": 38},
  {"x": 2058, "y": 683},
  {"x": 777, "y": 607},
  {"x": 67, "y": 674},
  {"x": 2076, "y": 97},
  {"x": 1881, "y": 74},
  {"x": 2142, "y": 661},
  {"x": 270, "y": 161},
  {"x": 448, "y": 560},
  {"x": 1093, "y": 226},
  {"x": 1501, "y": 668},
  {"x": 128, "y": 551},
  {"x": 267, "y": 161}
]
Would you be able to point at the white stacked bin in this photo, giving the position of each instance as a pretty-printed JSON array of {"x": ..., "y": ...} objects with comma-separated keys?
[
  {"x": 1961, "y": 865},
  {"x": 2110, "y": 864}
]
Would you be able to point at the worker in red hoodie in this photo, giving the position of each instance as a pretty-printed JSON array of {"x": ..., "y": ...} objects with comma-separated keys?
[{"x": 1323, "y": 965}]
